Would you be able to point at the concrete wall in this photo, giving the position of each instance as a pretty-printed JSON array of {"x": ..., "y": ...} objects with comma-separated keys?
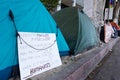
[
  {"x": 80, "y": 2},
  {"x": 94, "y": 9}
]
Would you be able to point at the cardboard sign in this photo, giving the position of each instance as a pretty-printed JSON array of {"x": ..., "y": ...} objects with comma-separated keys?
[{"x": 37, "y": 52}]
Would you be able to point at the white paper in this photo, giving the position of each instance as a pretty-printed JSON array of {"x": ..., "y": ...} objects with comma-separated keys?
[
  {"x": 32, "y": 61},
  {"x": 108, "y": 15}
]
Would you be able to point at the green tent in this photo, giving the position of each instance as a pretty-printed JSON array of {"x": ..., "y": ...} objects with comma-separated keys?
[{"x": 77, "y": 29}]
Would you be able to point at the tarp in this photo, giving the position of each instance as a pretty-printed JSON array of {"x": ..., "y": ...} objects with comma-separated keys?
[
  {"x": 77, "y": 29},
  {"x": 29, "y": 16},
  {"x": 115, "y": 25}
]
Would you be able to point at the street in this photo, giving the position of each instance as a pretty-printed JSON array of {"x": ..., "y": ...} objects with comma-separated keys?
[{"x": 109, "y": 67}]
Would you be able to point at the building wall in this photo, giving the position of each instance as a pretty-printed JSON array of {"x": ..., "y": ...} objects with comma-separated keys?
[
  {"x": 80, "y": 2},
  {"x": 94, "y": 9}
]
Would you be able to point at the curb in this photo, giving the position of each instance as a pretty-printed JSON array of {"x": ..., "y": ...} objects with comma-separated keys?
[{"x": 86, "y": 64}]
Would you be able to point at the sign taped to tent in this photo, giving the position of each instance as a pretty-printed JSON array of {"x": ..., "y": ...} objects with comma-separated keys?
[{"x": 37, "y": 52}]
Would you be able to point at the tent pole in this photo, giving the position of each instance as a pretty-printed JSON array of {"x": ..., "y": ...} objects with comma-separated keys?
[{"x": 12, "y": 18}]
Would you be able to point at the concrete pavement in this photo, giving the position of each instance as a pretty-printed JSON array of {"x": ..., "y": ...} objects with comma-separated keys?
[
  {"x": 110, "y": 69},
  {"x": 80, "y": 67}
]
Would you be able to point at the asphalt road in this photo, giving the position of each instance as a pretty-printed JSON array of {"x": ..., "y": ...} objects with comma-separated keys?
[{"x": 109, "y": 67}]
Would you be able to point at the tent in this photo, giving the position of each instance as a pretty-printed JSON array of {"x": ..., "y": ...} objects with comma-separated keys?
[
  {"x": 77, "y": 29},
  {"x": 23, "y": 16}
]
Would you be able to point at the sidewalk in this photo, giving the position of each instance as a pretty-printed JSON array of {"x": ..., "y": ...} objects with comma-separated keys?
[
  {"x": 77, "y": 67},
  {"x": 110, "y": 66}
]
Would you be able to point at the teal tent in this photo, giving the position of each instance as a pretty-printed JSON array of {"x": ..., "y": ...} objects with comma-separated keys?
[
  {"x": 77, "y": 29},
  {"x": 23, "y": 16}
]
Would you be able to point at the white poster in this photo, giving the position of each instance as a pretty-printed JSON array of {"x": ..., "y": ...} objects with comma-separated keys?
[
  {"x": 108, "y": 15},
  {"x": 37, "y": 52}
]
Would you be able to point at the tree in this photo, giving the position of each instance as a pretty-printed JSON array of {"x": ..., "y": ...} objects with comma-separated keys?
[{"x": 50, "y": 4}]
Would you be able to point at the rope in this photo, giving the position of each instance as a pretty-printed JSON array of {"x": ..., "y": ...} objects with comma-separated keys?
[{"x": 21, "y": 39}]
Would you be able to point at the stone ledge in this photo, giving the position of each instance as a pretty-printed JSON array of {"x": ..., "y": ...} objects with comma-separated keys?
[{"x": 81, "y": 68}]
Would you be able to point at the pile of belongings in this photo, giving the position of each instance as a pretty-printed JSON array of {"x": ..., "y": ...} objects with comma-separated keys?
[{"x": 108, "y": 31}]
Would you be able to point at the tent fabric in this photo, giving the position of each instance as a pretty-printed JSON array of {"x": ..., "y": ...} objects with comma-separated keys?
[
  {"x": 6, "y": 73},
  {"x": 77, "y": 29},
  {"x": 29, "y": 16}
]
